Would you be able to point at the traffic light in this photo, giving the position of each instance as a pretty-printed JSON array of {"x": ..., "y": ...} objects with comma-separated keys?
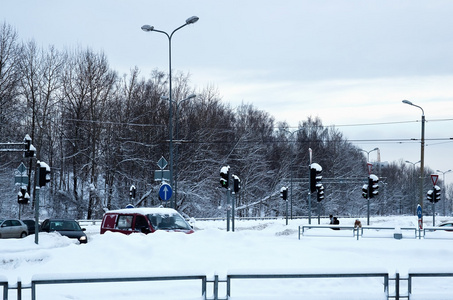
[
  {"x": 434, "y": 194},
  {"x": 236, "y": 183},
  {"x": 429, "y": 196},
  {"x": 320, "y": 195},
  {"x": 23, "y": 197},
  {"x": 373, "y": 185},
  {"x": 315, "y": 176},
  {"x": 30, "y": 150},
  {"x": 365, "y": 191},
  {"x": 225, "y": 176},
  {"x": 132, "y": 192},
  {"x": 370, "y": 190},
  {"x": 44, "y": 174},
  {"x": 284, "y": 193}
]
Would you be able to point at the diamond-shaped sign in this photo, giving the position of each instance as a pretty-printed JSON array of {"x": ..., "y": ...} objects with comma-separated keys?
[
  {"x": 22, "y": 168},
  {"x": 162, "y": 163}
]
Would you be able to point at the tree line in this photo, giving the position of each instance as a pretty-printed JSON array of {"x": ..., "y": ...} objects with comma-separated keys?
[{"x": 101, "y": 132}]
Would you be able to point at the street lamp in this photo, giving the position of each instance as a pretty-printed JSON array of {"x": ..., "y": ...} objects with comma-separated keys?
[
  {"x": 414, "y": 207},
  {"x": 422, "y": 151},
  {"x": 192, "y": 96},
  {"x": 443, "y": 188},
  {"x": 368, "y": 153},
  {"x": 148, "y": 28}
]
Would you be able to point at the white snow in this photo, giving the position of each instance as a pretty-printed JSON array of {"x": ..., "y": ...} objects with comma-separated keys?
[{"x": 256, "y": 247}]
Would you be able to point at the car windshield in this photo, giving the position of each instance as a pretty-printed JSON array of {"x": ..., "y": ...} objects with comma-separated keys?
[
  {"x": 168, "y": 222},
  {"x": 64, "y": 226}
]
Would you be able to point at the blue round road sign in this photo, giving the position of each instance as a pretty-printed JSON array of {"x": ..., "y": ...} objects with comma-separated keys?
[
  {"x": 165, "y": 192},
  {"x": 419, "y": 211}
]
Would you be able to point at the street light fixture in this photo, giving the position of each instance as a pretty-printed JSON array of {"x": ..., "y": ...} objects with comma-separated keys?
[
  {"x": 149, "y": 28},
  {"x": 422, "y": 150},
  {"x": 368, "y": 153},
  {"x": 443, "y": 189}
]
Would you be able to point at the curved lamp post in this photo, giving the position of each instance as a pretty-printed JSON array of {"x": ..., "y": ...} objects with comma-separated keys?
[
  {"x": 148, "y": 28},
  {"x": 443, "y": 188},
  {"x": 422, "y": 151}
]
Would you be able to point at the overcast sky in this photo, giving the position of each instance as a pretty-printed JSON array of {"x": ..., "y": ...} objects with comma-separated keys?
[{"x": 347, "y": 62}]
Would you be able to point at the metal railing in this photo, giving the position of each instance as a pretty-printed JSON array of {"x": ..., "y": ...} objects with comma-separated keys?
[
  {"x": 358, "y": 231},
  {"x": 394, "y": 293},
  {"x": 385, "y": 277}
]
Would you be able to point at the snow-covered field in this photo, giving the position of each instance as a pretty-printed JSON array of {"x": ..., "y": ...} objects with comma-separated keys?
[{"x": 255, "y": 247}]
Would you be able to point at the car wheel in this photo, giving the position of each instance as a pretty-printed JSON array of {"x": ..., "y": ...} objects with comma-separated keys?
[{"x": 23, "y": 234}]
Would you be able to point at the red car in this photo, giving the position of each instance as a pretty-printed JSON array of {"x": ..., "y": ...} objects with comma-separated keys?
[{"x": 145, "y": 220}]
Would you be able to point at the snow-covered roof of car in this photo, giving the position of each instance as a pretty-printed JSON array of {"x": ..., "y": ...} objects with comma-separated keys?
[{"x": 145, "y": 210}]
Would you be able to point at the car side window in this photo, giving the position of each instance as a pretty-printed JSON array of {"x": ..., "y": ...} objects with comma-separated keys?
[
  {"x": 15, "y": 223},
  {"x": 125, "y": 222},
  {"x": 140, "y": 223},
  {"x": 7, "y": 223}
]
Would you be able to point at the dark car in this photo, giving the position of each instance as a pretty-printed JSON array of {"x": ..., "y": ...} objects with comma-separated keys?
[
  {"x": 66, "y": 227},
  {"x": 31, "y": 226}
]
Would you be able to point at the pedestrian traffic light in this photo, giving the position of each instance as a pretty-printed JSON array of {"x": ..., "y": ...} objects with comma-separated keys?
[
  {"x": 320, "y": 195},
  {"x": 284, "y": 193},
  {"x": 315, "y": 176},
  {"x": 30, "y": 150},
  {"x": 373, "y": 185},
  {"x": 23, "y": 197},
  {"x": 434, "y": 194},
  {"x": 225, "y": 176},
  {"x": 44, "y": 173},
  {"x": 236, "y": 183}
]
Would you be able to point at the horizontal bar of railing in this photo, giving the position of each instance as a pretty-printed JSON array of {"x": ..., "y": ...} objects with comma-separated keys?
[
  {"x": 425, "y": 274},
  {"x": 36, "y": 282},
  {"x": 385, "y": 276}
]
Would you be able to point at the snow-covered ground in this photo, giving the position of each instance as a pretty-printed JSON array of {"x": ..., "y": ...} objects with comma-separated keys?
[{"x": 255, "y": 247}]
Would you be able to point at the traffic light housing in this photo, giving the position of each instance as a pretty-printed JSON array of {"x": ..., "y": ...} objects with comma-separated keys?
[
  {"x": 236, "y": 183},
  {"x": 44, "y": 174},
  {"x": 225, "y": 177},
  {"x": 30, "y": 150},
  {"x": 320, "y": 195},
  {"x": 23, "y": 197},
  {"x": 132, "y": 191},
  {"x": 370, "y": 190},
  {"x": 373, "y": 185},
  {"x": 365, "y": 191},
  {"x": 315, "y": 177},
  {"x": 284, "y": 193},
  {"x": 434, "y": 194}
]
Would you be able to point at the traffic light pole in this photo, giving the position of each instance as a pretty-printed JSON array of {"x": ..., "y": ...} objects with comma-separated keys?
[
  {"x": 228, "y": 192},
  {"x": 36, "y": 201}
]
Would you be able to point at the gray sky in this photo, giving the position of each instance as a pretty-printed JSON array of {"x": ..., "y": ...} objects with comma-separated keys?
[{"x": 346, "y": 61}]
